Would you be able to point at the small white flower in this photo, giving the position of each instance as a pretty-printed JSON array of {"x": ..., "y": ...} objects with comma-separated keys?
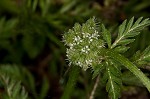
[
  {"x": 70, "y": 45},
  {"x": 83, "y": 50},
  {"x": 81, "y": 41},
  {"x": 88, "y": 62},
  {"x": 91, "y": 40}
]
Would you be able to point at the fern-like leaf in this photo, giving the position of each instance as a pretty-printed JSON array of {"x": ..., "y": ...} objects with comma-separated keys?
[
  {"x": 114, "y": 82},
  {"x": 13, "y": 89},
  {"x": 130, "y": 29},
  {"x": 121, "y": 49},
  {"x": 146, "y": 54},
  {"x": 142, "y": 58}
]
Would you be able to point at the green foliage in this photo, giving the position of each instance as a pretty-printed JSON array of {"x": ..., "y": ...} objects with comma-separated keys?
[
  {"x": 130, "y": 66},
  {"x": 109, "y": 58},
  {"x": 30, "y": 33},
  {"x": 71, "y": 82},
  {"x": 114, "y": 82},
  {"x": 128, "y": 30},
  {"x": 13, "y": 89},
  {"x": 30, "y": 37},
  {"x": 10, "y": 78},
  {"x": 17, "y": 73},
  {"x": 142, "y": 58},
  {"x": 112, "y": 79}
]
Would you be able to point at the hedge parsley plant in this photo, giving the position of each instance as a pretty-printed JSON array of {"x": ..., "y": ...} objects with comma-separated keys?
[{"x": 90, "y": 45}]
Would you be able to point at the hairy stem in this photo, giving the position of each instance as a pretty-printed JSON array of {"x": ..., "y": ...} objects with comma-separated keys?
[
  {"x": 94, "y": 88},
  {"x": 129, "y": 65},
  {"x": 73, "y": 75}
]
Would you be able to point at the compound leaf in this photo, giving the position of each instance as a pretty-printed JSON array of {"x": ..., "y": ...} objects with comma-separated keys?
[
  {"x": 142, "y": 58},
  {"x": 130, "y": 29},
  {"x": 113, "y": 85},
  {"x": 13, "y": 89}
]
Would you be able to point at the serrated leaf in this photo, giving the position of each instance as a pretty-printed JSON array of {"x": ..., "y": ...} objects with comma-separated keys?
[
  {"x": 106, "y": 35},
  {"x": 136, "y": 56},
  {"x": 13, "y": 89},
  {"x": 130, "y": 29},
  {"x": 104, "y": 78},
  {"x": 130, "y": 66},
  {"x": 132, "y": 34},
  {"x": 146, "y": 54},
  {"x": 121, "y": 49},
  {"x": 122, "y": 28},
  {"x": 126, "y": 41},
  {"x": 142, "y": 58},
  {"x": 144, "y": 21},
  {"x": 17, "y": 89},
  {"x": 114, "y": 82},
  {"x": 129, "y": 25},
  {"x": 24, "y": 95},
  {"x": 137, "y": 22}
]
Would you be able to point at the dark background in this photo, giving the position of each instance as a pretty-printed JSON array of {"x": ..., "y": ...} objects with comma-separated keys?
[{"x": 31, "y": 42}]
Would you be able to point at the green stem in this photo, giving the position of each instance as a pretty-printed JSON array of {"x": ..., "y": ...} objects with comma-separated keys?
[
  {"x": 73, "y": 75},
  {"x": 129, "y": 65}
]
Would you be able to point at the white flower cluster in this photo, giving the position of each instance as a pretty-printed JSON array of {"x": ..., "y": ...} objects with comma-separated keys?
[{"x": 84, "y": 44}]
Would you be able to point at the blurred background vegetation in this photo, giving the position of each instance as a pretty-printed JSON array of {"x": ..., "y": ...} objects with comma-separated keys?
[{"x": 32, "y": 51}]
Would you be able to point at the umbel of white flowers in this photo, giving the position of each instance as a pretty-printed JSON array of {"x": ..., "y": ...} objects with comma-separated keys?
[{"x": 84, "y": 44}]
